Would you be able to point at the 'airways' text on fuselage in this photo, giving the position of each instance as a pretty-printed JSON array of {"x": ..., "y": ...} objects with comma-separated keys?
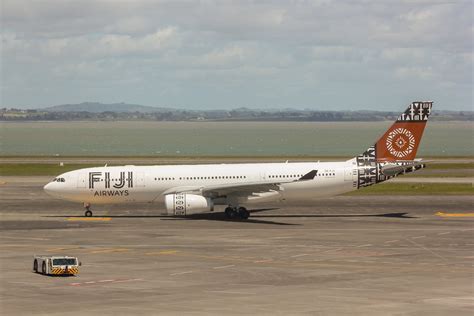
[{"x": 111, "y": 193}]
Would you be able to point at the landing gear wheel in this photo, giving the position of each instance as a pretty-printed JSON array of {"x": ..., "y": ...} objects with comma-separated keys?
[
  {"x": 35, "y": 266},
  {"x": 87, "y": 207},
  {"x": 43, "y": 268},
  {"x": 229, "y": 212},
  {"x": 243, "y": 213}
]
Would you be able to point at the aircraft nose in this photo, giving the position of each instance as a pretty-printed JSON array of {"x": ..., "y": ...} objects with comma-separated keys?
[{"x": 48, "y": 188}]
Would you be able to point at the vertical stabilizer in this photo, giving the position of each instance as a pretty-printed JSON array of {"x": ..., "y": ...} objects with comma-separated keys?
[
  {"x": 397, "y": 146},
  {"x": 401, "y": 140}
]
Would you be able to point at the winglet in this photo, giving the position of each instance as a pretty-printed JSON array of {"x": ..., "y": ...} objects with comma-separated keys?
[{"x": 309, "y": 176}]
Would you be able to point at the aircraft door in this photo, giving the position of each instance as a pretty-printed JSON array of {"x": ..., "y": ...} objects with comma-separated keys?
[
  {"x": 140, "y": 179},
  {"x": 82, "y": 180},
  {"x": 350, "y": 173}
]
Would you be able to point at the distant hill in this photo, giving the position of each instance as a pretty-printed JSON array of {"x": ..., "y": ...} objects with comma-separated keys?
[
  {"x": 96, "y": 107},
  {"x": 92, "y": 111}
]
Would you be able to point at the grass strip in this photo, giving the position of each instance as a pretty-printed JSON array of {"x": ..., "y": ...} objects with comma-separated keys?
[
  {"x": 445, "y": 166},
  {"x": 28, "y": 169},
  {"x": 53, "y": 168},
  {"x": 416, "y": 189}
]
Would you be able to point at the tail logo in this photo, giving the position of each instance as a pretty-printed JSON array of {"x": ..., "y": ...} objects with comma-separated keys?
[{"x": 400, "y": 142}]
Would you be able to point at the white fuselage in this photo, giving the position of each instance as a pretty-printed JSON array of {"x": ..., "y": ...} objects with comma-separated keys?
[
  {"x": 151, "y": 183},
  {"x": 191, "y": 189}
]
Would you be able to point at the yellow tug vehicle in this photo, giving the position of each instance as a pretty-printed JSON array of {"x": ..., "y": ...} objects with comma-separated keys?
[{"x": 56, "y": 265}]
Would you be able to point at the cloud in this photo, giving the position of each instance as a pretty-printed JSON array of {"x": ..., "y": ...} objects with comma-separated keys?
[{"x": 285, "y": 53}]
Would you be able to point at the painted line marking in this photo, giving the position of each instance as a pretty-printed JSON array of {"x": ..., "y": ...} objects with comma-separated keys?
[
  {"x": 417, "y": 237},
  {"x": 301, "y": 255},
  {"x": 110, "y": 250},
  {"x": 337, "y": 249},
  {"x": 61, "y": 248},
  {"x": 89, "y": 219},
  {"x": 121, "y": 281},
  {"x": 454, "y": 214},
  {"x": 232, "y": 292},
  {"x": 25, "y": 238},
  {"x": 181, "y": 273},
  {"x": 263, "y": 261},
  {"x": 427, "y": 249},
  {"x": 223, "y": 267},
  {"x": 390, "y": 241},
  {"x": 445, "y": 233},
  {"x": 102, "y": 281},
  {"x": 366, "y": 245},
  {"x": 164, "y": 252}
]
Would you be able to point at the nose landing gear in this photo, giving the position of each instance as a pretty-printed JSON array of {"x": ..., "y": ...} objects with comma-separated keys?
[
  {"x": 88, "y": 212},
  {"x": 236, "y": 212}
]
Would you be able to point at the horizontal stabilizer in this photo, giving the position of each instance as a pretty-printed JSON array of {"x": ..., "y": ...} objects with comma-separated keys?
[{"x": 395, "y": 168}]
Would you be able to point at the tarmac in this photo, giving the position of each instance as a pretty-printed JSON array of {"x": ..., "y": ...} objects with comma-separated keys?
[{"x": 358, "y": 255}]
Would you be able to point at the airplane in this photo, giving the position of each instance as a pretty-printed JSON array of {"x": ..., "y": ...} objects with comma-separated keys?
[{"x": 192, "y": 189}]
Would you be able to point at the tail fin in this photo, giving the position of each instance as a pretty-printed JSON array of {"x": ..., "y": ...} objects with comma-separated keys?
[
  {"x": 401, "y": 140},
  {"x": 395, "y": 151}
]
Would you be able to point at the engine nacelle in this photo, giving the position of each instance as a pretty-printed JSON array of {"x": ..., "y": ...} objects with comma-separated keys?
[{"x": 186, "y": 204}]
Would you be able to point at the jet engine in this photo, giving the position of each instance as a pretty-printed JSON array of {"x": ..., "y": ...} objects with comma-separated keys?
[{"x": 186, "y": 204}]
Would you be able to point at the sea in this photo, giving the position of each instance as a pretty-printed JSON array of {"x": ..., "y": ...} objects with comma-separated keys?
[{"x": 252, "y": 139}]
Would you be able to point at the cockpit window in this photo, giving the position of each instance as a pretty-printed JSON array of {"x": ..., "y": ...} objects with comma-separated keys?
[{"x": 59, "y": 180}]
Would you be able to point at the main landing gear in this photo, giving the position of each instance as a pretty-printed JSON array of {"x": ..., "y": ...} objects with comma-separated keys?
[
  {"x": 236, "y": 212},
  {"x": 88, "y": 212}
]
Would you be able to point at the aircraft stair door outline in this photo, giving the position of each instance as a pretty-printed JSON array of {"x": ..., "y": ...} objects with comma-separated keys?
[
  {"x": 350, "y": 173},
  {"x": 140, "y": 179},
  {"x": 82, "y": 180}
]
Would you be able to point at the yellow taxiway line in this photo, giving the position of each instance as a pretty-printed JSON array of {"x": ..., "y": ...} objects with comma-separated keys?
[
  {"x": 87, "y": 219},
  {"x": 454, "y": 214}
]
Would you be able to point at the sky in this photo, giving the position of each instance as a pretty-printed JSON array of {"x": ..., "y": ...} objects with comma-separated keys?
[{"x": 322, "y": 55}]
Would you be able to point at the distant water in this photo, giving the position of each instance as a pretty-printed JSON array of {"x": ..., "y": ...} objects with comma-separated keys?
[{"x": 219, "y": 138}]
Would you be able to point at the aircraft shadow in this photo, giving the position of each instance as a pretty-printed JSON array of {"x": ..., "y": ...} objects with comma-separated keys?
[
  {"x": 393, "y": 215},
  {"x": 220, "y": 216},
  {"x": 254, "y": 219}
]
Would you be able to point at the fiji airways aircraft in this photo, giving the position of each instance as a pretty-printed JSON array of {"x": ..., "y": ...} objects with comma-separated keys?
[{"x": 191, "y": 189}]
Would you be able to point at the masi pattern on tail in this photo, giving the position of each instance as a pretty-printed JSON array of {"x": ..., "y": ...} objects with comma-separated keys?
[{"x": 397, "y": 146}]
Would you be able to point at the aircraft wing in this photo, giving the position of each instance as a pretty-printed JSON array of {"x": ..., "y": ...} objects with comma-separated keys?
[{"x": 237, "y": 189}]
